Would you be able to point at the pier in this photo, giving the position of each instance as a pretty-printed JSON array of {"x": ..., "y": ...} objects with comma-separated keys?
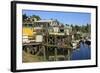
[
  {"x": 53, "y": 48},
  {"x": 52, "y": 41}
]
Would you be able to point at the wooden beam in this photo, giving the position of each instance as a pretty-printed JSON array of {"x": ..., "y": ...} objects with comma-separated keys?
[{"x": 56, "y": 54}]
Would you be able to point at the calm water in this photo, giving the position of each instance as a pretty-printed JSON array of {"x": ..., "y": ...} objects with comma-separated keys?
[{"x": 82, "y": 54}]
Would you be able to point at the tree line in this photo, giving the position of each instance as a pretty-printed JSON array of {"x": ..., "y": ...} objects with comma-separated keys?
[
  {"x": 24, "y": 17},
  {"x": 83, "y": 28}
]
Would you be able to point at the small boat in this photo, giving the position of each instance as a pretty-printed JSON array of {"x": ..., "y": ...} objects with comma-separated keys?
[
  {"x": 75, "y": 44},
  {"x": 88, "y": 42}
]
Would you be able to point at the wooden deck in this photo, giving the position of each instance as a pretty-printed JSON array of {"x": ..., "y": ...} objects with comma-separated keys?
[
  {"x": 58, "y": 46},
  {"x": 31, "y": 43}
]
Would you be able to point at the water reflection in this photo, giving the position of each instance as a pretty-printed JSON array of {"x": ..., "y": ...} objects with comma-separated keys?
[{"x": 83, "y": 53}]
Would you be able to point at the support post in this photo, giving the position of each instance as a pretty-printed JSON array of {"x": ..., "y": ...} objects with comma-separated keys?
[
  {"x": 44, "y": 53},
  {"x": 69, "y": 54},
  {"x": 55, "y": 54}
]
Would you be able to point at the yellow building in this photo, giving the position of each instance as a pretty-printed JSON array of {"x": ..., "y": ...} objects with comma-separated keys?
[{"x": 28, "y": 34}]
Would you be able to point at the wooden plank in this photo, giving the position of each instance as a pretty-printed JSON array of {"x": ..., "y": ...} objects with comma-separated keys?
[
  {"x": 31, "y": 44},
  {"x": 58, "y": 46}
]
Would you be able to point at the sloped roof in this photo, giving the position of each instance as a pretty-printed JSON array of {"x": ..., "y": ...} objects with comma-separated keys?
[{"x": 44, "y": 21}]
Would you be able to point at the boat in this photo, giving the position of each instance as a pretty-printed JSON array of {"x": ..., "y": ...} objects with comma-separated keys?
[
  {"x": 88, "y": 42},
  {"x": 75, "y": 44}
]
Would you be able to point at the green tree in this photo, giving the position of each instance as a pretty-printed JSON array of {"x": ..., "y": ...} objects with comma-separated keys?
[
  {"x": 24, "y": 16},
  {"x": 77, "y": 28},
  {"x": 88, "y": 28},
  {"x": 67, "y": 24},
  {"x": 36, "y": 16}
]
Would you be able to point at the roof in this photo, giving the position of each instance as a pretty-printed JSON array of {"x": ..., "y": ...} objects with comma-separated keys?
[{"x": 44, "y": 21}]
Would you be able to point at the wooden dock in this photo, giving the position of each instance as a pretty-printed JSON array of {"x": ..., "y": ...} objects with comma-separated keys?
[{"x": 51, "y": 42}]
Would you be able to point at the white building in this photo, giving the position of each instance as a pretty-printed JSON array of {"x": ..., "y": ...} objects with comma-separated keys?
[{"x": 67, "y": 30}]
